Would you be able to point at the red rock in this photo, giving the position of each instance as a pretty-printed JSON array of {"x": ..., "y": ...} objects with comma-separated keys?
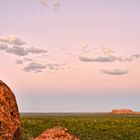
[
  {"x": 123, "y": 111},
  {"x": 10, "y": 125},
  {"x": 57, "y": 133}
]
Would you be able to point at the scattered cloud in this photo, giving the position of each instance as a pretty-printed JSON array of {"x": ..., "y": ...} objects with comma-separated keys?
[
  {"x": 44, "y": 2},
  {"x": 35, "y": 50},
  {"x": 136, "y": 56},
  {"x": 84, "y": 48},
  {"x": 86, "y": 59},
  {"x": 19, "y": 62},
  {"x": 12, "y": 39},
  {"x": 56, "y": 4},
  {"x": 3, "y": 46},
  {"x": 38, "y": 71},
  {"x": 27, "y": 59},
  {"x": 107, "y": 51},
  {"x": 107, "y": 55},
  {"x": 34, "y": 66},
  {"x": 20, "y": 51},
  {"x": 14, "y": 45},
  {"x": 104, "y": 58},
  {"x": 114, "y": 71},
  {"x": 35, "y": 63},
  {"x": 133, "y": 57},
  {"x": 54, "y": 66},
  {"x": 108, "y": 58},
  {"x": 127, "y": 59}
]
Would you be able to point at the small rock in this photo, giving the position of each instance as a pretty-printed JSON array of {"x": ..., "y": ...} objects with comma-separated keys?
[{"x": 57, "y": 133}]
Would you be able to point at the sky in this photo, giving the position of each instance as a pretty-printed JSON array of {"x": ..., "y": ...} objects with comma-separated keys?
[{"x": 71, "y": 56}]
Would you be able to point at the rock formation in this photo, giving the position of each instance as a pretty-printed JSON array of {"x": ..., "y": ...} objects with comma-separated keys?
[
  {"x": 57, "y": 133},
  {"x": 123, "y": 111},
  {"x": 10, "y": 125}
]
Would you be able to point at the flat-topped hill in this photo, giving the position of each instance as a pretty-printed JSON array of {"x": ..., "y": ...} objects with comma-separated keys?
[{"x": 124, "y": 111}]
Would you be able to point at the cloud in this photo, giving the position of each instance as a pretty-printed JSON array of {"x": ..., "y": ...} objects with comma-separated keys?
[
  {"x": 107, "y": 51},
  {"x": 114, "y": 71},
  {"x": 35, "y": 50},
  {"x": 44, "y": 2},
  {"x": 3, "y": 46},
  {"x": 104, "y": 58},
  {"x": 56, "y": 4},
  {"x": 84, "y": 48},
  {"x": 12, "y": 39},
  {"x": 135, "y": 56},
  {"x": 128, "y": 59},
  {"x": 19, "y": 62},
  {"x": 34, "y": 66},
  {"x": 15, "y": 46},
  {"x": 106, "y": 55},
  {"x": 109, "y": 58},
  {"x": 38, "y": 67},
  {"x": 20, "y": 51},
  {"x": 27, "y": 59},
  {"x": 54, "y": 66}
]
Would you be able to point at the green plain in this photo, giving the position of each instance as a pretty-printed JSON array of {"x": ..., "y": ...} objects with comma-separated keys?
[{"x": 87, "y": 127}]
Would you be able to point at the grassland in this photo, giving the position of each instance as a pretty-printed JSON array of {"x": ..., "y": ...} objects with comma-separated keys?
[{"x": 87, "y": 127}]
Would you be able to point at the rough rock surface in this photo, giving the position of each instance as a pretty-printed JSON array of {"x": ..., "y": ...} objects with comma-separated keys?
[
  {"x": 57, "y": 133},
  {"x": 10, "y": 126},
  {"x": 123, "y": 111}
]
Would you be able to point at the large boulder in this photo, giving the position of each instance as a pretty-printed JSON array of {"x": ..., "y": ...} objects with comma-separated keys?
[
  {"x": 57, "y": 133},
  {"x": 10, "y": 125}
]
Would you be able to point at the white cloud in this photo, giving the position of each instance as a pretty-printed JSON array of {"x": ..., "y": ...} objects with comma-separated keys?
[
  {"x": 35, "y": 50},
  {"x": 114, "y": 71},
  {"x": 12, "y": 39},
  {"x": 20, "y": 51},
  {"x": 34, "y": 66}
]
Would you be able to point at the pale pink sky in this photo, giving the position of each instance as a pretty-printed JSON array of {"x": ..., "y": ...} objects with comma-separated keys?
[{"x": 81, "y": 48}]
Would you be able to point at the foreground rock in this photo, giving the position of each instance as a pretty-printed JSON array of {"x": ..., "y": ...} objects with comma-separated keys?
[
  {"x": 57, "y": 133},
  {"x": 10, "y": 126},
  {"x": 123, "y": 111}
]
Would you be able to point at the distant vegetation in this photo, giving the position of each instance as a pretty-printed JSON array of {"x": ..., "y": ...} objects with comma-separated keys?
[{"x": 87, "y": 127}]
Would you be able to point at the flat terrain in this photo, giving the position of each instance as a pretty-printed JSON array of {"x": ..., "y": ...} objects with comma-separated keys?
[{"x": 86, "y": 126}]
